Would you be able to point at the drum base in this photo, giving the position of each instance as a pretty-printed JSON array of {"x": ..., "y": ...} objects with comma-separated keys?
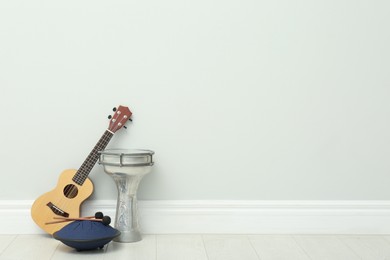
[{"x": 129, "y": 237}]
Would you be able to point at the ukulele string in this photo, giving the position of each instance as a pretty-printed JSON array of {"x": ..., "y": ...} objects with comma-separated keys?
[
  {"x": 85, "y": 168},
  {"x": 71, "y": 189},
  {"x": 83, "y": 171},
  {"x": 102, "y": 143}
]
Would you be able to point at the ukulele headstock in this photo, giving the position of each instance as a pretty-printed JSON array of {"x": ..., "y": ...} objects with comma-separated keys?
[{"x": 121, "y": 115}]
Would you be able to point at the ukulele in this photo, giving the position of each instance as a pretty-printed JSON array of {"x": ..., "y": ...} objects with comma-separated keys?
[{"x": 74, "y": 186}]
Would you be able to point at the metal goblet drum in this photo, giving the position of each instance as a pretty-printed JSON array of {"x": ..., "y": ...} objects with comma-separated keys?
[{"x": 127, "y": 168}]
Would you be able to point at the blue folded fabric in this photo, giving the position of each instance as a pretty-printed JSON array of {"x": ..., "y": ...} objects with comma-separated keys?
[{"x": 86, "y": 234}]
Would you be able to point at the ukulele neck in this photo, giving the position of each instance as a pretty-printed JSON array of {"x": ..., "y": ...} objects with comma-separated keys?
[{"x": 82, "y": 173}]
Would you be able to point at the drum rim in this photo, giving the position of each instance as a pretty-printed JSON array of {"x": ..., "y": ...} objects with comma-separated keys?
[{"x": 140, "y": 152}]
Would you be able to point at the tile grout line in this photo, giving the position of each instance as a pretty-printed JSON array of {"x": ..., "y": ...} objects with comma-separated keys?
[
  {"x": 2, "y": 252},
  {"x": 155, "y": 246},
  {"x": 300, "y": 246},
  {"x": 254, "y": 249},
  {"x": 346, "y": 245},
  {"x": 54, "y": 251},
  {"x": 204, "y": 246},
  {"x": 106, "y": 249}
]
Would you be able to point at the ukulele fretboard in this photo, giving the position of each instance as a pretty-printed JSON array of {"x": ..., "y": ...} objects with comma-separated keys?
[{"x": 92, "y": 158}]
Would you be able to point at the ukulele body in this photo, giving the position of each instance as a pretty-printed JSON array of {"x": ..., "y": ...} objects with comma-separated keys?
[{"x": 63, "y": 201}]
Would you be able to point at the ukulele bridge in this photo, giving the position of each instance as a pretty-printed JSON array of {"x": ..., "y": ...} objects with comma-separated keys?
[{"x": 56, "y": 210}]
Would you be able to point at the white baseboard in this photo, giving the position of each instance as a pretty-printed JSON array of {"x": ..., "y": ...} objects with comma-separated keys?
[{"x": 229, "y": 217}]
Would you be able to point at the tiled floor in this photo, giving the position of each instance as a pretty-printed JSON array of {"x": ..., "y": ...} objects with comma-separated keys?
[{"x": 206, "y": 247}]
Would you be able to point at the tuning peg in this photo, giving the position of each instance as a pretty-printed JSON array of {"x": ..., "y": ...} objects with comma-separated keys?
[
  {"x": 125, "y": 127},
  {"x": 130, "y": 119},
  {"x": 114, "y": 109},
  {"x": 109, "y": 117}
]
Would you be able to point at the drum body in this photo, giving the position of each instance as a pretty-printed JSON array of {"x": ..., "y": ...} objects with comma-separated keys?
[{"x": 127, "y": 168}]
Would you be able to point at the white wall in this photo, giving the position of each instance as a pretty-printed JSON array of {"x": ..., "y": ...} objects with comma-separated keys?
[{"x": 240, "y": 99}]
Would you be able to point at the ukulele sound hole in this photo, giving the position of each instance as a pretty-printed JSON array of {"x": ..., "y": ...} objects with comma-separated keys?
[{"x": 70, "y": 191}]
